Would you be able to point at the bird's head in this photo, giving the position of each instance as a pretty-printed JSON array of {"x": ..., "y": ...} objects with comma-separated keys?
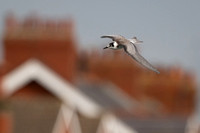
[{"x": 112, "y": 45}]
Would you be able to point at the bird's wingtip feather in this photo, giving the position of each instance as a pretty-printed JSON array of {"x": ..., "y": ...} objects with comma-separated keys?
[{"x": 157, "y": 71}]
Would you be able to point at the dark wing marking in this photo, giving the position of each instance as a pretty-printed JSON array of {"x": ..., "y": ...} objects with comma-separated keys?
[
  {"x": 132, "y": 51},
  {"x": 111, "y": 37}
]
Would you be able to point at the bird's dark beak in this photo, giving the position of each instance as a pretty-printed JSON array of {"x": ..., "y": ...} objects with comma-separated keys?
[{"x": 105, "y": 47}]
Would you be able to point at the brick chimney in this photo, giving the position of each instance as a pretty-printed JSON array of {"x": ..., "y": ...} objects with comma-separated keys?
[{"x": 52, "y": 42}]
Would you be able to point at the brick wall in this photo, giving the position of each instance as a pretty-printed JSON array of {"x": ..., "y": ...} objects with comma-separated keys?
[{"x": 175, "y": 88}]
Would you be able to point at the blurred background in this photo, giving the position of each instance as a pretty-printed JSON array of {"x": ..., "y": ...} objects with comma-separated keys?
[{"x": 56, "y": 77}]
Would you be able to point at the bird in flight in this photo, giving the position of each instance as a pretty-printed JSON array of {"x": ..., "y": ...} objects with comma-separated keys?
[{"x": 120, "y": 42}]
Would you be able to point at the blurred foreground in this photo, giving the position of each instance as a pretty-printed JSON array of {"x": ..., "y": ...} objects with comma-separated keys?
[{"x": 47, "y": 86}]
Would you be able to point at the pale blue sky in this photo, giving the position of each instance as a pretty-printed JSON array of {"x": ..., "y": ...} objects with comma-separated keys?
[{"x": 170, "y": 29}]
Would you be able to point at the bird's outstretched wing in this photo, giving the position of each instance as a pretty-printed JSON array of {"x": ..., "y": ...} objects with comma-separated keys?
[
  {"x": 113, "y": 37},
  {"x": 133, "y": 52}
]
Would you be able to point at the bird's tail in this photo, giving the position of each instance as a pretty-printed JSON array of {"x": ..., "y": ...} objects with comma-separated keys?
[{"x": 135, "y": 40}]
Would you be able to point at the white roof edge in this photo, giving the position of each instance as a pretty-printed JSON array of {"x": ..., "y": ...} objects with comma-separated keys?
[
  {"x": 33, "y": 69},
  {"x": 111, "y": 123},
  {"x": 65, "y": 119}
]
